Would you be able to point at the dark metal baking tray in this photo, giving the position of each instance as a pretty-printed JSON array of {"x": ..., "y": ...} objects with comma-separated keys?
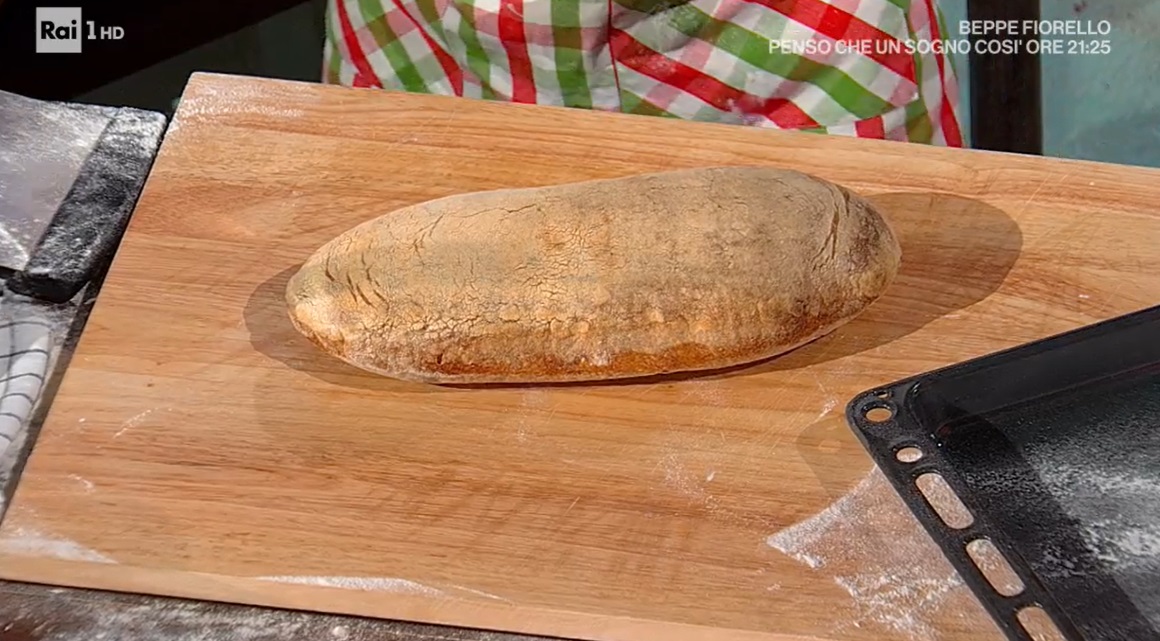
[{"x": 1054, "y": 448}]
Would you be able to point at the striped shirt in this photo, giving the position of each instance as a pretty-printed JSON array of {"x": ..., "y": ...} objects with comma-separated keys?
[{"x": 845, "y": 67}]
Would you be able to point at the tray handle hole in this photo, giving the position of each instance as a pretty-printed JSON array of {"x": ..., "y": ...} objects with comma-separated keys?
[
  {"x": 1038, "y": 624},
  {"x": 944, "y": 501},
  {"x": 908, "y": 454},
  {"x": 879, "y": 414},
  {"x": 995, "y": 567}
]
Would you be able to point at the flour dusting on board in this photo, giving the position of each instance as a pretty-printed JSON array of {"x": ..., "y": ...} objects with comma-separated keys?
[
  {"x": 363, "y": 584},
  {"x": 486, "y": 595},
  {"x": 802, "y": 540},
  {"x": 239, "y": 100},
  {"x": 377, "y": 584},
  {"x": 87, "y": 484},
  {"x": 873, "y": 549},
  {"x": 692, "y": 479},
  {"x": 133, "y": 421},
  {"x": 23, "y": 541},
  {"x": 530, "y": 415},
  {"x": 899, "y": 601},
  {"x": 829, "y": 406},
  {"x": 680, "y": 479},
  {"x": 711, "y": 393}
]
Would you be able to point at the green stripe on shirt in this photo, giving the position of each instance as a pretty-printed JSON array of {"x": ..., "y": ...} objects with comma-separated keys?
[
  {"x": 853, "y": 97},
  {"x": 567, "y": 38}
]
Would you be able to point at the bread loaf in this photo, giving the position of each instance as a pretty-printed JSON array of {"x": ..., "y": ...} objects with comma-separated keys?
[{"x": 606, "y": 279}]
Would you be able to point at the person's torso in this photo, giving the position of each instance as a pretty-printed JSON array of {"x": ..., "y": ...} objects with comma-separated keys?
[{"x": 836, "y": 66}]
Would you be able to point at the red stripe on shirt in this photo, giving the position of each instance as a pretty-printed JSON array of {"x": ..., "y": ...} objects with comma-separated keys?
[
  {"x": 871, "y": 128},
  {"x": 949, "y": 123},
  {"x": 515, "y": 43},
  {"x": 365, "y": 76},
  {"x": 836, "y": 24},
  {"x": 643, "y": 60}
]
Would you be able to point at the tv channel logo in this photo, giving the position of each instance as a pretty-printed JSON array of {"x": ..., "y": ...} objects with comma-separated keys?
[
  {"x": 59, "y": 29},
  {"x": 63, "y": 30}
]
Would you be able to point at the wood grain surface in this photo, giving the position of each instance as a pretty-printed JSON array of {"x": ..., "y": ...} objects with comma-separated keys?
[{"x": 200, "y": 448}]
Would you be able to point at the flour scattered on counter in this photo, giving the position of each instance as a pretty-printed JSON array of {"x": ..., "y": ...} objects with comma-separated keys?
[
  {"x": 831, "y": 403},
  {"x": 112, "y": 619},
  {"x": 869, "y": 545},
  {"x": 362, "y": 584},
  {"x": 89, "y": 486},
  {"x": 521, "y": 421},
  {"x": 711, "y": 393},
  {"x": 681, "y": 480},
  {"x": 105, "y": 616},
  {"x": 536, "y": 398},
  {"x": 372, "y": 584},
  {"x": 27, "y": 542},
  {"x": 809, "y": 559},
  {"x": 898, "y": 601},
  {"x": 485, "y": 595},
  {"x": 133, "y": 421},
  {"x": 798, "y": 541},
  {"x": 674, "y": 468},
  {"x": 235, "y": 101}
]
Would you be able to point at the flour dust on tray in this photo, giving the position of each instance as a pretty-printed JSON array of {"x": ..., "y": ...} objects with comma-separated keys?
[{"x": 1116, "y": 501}]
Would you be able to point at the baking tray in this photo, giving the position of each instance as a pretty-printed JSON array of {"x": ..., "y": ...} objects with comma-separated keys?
[{"x": 1054, "y": 449}]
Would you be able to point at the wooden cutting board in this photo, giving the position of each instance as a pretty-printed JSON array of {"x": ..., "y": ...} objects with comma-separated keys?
[{"x": 199, "y": 447}]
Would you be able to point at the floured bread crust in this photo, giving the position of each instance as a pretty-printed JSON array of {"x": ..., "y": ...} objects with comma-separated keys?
[{"x": 650, "y": 274}]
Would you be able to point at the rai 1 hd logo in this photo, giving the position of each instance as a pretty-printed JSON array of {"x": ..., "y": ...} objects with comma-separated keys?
[{"x": 63, "y": 30}]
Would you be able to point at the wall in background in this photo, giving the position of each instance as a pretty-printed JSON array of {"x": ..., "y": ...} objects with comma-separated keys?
[
  {"x": 1097, "y": 107},
  {"x": 1107, "y": 107}
]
